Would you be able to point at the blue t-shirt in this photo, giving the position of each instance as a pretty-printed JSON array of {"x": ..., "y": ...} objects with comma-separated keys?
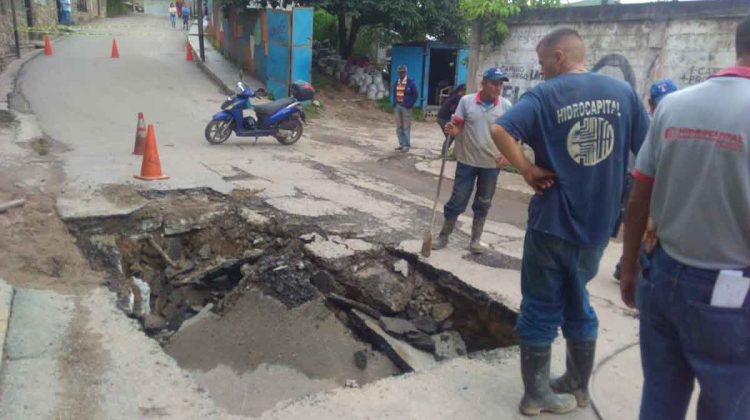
[
  {"x": 185, "y": 12},
  {"x": 581, "y": 126}
]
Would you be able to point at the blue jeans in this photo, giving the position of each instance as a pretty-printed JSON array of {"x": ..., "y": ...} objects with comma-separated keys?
[
  {"x": 403, "y": 118},
  {"x": 554, "y": 274},
  {"x": 463, "y": 186},
  {"x": 684, "y": 338}
]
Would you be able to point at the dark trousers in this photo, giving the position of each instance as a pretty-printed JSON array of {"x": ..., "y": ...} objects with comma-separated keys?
[{"x": 683, "y": 338}]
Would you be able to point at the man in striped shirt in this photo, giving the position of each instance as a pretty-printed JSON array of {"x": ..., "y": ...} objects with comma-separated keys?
[{"x": 405, "y": 96}]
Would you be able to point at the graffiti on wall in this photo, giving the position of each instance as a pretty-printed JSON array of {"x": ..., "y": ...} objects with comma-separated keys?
[
  {"x": 695, "y": 74},
  {"x": 523, "y": 78},
  {"x": 522, "y": 72}
]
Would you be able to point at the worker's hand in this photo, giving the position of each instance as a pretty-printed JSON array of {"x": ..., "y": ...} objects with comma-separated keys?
[
  {"x": 538, "y": 178},
  {"x": 452, "y": 129},
  {"x": 628, "y": 276},
  {"x": 502, "y": 162}
]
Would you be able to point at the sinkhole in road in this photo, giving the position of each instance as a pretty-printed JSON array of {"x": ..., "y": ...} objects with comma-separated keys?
[{"x": 262, "y": 308}]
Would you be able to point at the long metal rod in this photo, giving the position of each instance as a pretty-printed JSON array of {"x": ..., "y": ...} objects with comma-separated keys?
[
  {"x": 201, "y": 51},
  {"x": 15, "y": 28}
]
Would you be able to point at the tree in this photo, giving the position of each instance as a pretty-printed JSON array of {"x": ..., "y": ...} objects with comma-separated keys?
[
  {"x": 412, "y": 19},
  {"x": 490, "y": 24},
  {"x": 493, "y": 15}
]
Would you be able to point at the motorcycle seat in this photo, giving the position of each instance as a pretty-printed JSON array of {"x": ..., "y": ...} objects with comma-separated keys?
[{"x": 266, "y": 110}]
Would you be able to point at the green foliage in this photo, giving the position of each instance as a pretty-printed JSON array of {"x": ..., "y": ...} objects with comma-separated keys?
[
  {"x": 494, "y": 14},
  {"x": 385, "y": 105},
  {"x": 412, "y": 20},
  {"x": 312, "y": 111},
  {"x": 325, "y": 26},
  {"x": 228, "y": 5},
  {"x": 322, "y": 81},
  {"x": 116, "y": 8}
]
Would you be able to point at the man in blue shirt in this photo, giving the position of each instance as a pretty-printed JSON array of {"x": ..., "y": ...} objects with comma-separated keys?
[
  {"x": 581, "y": 127},
  {"x": 185, "y": 16}
]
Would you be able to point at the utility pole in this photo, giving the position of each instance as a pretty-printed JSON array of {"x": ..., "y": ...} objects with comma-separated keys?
[
  {"x": 201, "y": 52},
  {"x": 15, "y": 27}
]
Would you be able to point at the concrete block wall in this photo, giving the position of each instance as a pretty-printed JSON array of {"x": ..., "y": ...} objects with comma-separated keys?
[
  {"x": 43, "y": 14},
  {"x": 637, "y": 43},
  {"x": 7, "y": 42}
]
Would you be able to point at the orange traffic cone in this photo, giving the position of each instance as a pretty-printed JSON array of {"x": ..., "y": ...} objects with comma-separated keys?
[
  {"x": 47, "y": 46},
  {"x": 140, "y": 136},
  {"x": 151, "y": 167},
  {"x": 115, "y": 52},
  {"x": 189, "y": 52}
]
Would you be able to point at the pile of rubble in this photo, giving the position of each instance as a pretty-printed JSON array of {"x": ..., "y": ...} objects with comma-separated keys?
[
  {"x": 368, "y": 79},
  {"x": 169, "y": 268}
]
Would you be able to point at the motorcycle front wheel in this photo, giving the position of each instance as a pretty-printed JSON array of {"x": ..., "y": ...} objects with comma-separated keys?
[
  {"x": 218, "y": 131},
  {"x": 290, "y": 131}
]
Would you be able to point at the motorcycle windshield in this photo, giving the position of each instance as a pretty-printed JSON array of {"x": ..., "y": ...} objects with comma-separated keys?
[{"x": 229, "y": 104}]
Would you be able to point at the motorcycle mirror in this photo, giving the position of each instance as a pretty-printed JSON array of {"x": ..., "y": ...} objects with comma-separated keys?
[{"x": 241, "y": 87}]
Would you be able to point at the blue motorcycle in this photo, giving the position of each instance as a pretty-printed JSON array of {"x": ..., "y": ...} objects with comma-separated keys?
[{"x": 282, "y": 119}]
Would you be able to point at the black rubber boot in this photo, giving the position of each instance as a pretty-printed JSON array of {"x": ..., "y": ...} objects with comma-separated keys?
[
  {"x": 537, "y": 396},
  {"x": 477, "y": 226},
  {"x": 579, "y": 365},
  {"x": 442, "y": 239}
]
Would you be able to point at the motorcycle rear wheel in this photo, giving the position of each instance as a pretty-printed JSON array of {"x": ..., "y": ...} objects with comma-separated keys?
[
  {"x": 290, "y": 132},
  {"x": 218, "y": 131}
]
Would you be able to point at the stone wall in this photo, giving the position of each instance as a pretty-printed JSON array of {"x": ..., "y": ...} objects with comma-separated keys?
[
  {"x": 7, "y": 42},
  {"x": 43, "y": 15},
  {"x": 640, "y": 43}
]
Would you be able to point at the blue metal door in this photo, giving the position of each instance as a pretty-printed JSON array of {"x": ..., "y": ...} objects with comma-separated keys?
[
  {"x": 279, "y": 29},
  {"x": 302, "y": 34},
  {"x": 462, "y": 66},
  {"x": 412, "y": 58}
]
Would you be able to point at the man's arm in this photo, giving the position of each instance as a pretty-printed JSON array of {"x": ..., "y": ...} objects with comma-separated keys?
[
  {"x": 456, "y": 124},
  {"x": 635, "y": 224},
  {"x": 539, "y": 179}
]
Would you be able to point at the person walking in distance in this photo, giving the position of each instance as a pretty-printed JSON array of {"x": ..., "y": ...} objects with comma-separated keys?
[
  {"x": 478, "y": 161},
  {"x": 185, "y": 16},
  {"x": 581, "y": 126},
  {"x": 173, "y": 14},
  {"x": 692, "y": 177},
  {"x": 405, "y": 96}
]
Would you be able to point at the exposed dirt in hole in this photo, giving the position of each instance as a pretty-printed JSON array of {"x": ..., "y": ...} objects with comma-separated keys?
[
  {"x": 36, "y": 249},
  {"x": 265, "y": 308}
]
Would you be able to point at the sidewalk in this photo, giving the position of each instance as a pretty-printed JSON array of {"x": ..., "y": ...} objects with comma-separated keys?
[
  {"x": 508, "y": 181},
  {"x": 218, "y": 68}
]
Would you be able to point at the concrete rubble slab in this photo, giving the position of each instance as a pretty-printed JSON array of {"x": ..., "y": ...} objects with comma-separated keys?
[
  {"x": 417, "y": 360},
  {"x": 74, "y": 206},
  {"x": 336, "y": 247},
  {"x": 6, "y": 302}
]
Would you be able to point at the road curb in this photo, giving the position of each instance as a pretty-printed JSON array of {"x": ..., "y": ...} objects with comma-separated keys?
[
  {"x": 6, "y": 301},
  {"x": 206, "y": 69}
]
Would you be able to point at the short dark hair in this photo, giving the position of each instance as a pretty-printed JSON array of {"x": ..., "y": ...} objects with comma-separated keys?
[
  {"x": 554, "y": 37},
  {"x": 742, "y": 38}
]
